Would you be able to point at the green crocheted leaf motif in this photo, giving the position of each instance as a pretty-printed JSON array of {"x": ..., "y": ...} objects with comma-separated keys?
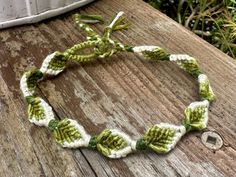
[
  {"x": 196, "y": 116},
  {"x": 156, "y": 54},
  {"x": 69, "y": 133},
  {"x": 32, "y": 78},
  {"x": 190, "y": 66},
  {"x": 158, "y": 138},
  {"x": 64, "y": 131},
  {"x": 39, "y": 112},
  {"x": 205, "y": 90},
  {"x": 58, "y": 62},
  {"x": 109, "y": 142},
  {"x": 35, "y": 109}
]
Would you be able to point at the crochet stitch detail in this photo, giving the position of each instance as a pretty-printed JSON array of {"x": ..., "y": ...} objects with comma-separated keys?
[{"x": 113, "y": 143}]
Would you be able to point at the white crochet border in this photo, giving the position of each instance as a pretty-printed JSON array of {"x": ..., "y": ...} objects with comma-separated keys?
[
  {"x": 140, "y": 49},
  {"x": 128, "y": 149},
  {"x": 177, "y": 57},
  {"x": 48, "y": 112},
  {"x": 204, "y": 103},
  {"x": 179, "y": 132},
  {"x": 24, "y": 87},
  {"x": 131, "y": 144},
  {"x": 44, "y": 68},
  {"x": 83, "y": 141}
]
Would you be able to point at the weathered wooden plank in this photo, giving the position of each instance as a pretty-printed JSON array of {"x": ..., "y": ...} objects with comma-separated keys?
[
  {"x": 123, "y": 92},
  {"x": 23, "y": 151}
]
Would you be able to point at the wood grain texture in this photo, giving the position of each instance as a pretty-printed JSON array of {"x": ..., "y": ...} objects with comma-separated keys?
[{"x": 122, "y": 92}]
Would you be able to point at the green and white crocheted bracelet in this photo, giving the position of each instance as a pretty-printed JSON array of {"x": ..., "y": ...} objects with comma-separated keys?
[{"x": 113, "y": 143}]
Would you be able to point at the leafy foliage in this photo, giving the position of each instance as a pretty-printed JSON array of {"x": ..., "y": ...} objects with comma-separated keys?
[{"x": 213, "y": 20}]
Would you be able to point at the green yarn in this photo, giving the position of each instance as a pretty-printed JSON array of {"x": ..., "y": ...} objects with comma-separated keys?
[
  {"x": 35, "y": 110},
  {"x": 141, "y": 144},
  {"x": 206, "y": 92},
  {"x": 156, "y": 54},
  {"x": 79, "y": 18},
  {"x": 32, "y": 77},
  {"x": 126, "y": 48},
  {"x": 158, "y": 138},
  {"x": 83, "y": 45},
  {"x": 191, "y": 66},
  {"x": 58, "y": 62},
  {"x": 93, "y": 142},
  {"x": 106, "y": 142},
  {"x": 119, "y": 24},
  {"x": 29, "y": 99},
  {"x": 83, "y": 58},
  {"x": 194, "y": 118},
  {"x": 53, "y": 125},
  {"x": 63, "y": 131},
  {"x": 101, "y": 46}
]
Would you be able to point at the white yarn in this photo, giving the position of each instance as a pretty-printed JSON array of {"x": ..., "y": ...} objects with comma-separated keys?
[
  {"x": 140, "y": 49},
  {"x": 44, "y": 68},
  {"x": 121, "y": 46},
  {"x": 24, "y": 87},
  {"x": 85, "y": 138},
  {"x": 202, "y": 78},
  {"x": 133, "y": 145},
  {"x": 83, "y": 141},
  {"x": 122, "y": 152},
  {"x": 179, "y": 132},
  {"x": 176, "y": 57},
  {"x": 48, "y": 115},
  {"x": 111, "y": 41},
  {"x": 205, "y": 104},
  {"x": 115, "y": 19},
  {"x": 88, "y": 29}
]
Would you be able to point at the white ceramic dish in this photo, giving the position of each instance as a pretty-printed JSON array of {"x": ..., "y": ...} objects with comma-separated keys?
[{"x": 17, "y": 12}]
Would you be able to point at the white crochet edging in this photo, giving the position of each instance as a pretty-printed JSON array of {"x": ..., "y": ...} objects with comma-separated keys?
[
  {"x": 202, "y": 78},
  {"x": 179, "y": 132},
  {"x": 140, "y": 49},
  {"x": 44, "y": 68},
  {"x": 48, "y": 115},
  {"x": 204, "y": 103},
  {"x": 196, "y": 104},
  {"x": 128, "y": 149},
  {"x": 24, "y": 87},
  {"x": 176, "y": 57},
  {"x": 83, "y": 141}
]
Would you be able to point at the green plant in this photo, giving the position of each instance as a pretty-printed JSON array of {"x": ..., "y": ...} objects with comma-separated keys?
[{"x": 213, "y": 20}]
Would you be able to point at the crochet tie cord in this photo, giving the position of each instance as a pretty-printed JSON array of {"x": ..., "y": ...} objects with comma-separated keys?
[{"x": 113, "y": 143}]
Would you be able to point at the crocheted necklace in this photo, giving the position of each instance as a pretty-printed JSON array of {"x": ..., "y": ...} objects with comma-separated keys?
[{"x": 113, "y": 143}]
